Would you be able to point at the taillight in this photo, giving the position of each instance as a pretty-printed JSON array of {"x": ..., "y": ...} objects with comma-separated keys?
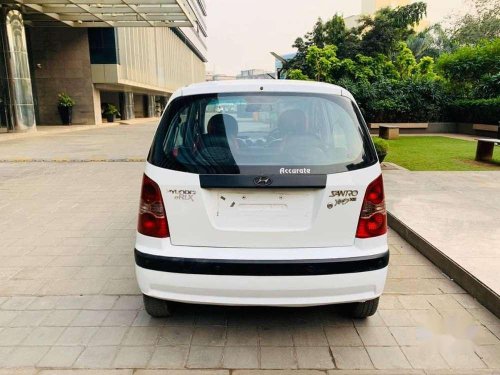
[
  {"x": 373, "y": 218},
  {"x": 152, "y": 216}
]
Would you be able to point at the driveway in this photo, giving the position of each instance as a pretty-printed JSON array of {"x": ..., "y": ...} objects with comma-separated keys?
[{"x": 69, "y": 299}]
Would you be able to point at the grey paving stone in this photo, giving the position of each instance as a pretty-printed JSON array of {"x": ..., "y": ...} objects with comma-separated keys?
[
  {"x": 175, "y": 335},
  {"x": 26, "y": 356},
  {"x": 120, "y": 318},
  {"x": 29, "y": 318},
  {"x": 133, "y": 356},
  {"x": 351, "y": 358},
  {"x": 61, "y": 356},
  {"x": 205, "y": 357},
  {"x": 274, "y": 357},
  {"x": 387, "y": 357},
  {"x": 238, "y": 357},
  {"x": 242, "y": 336},
  {"x": 397, "y": 318},
  {"x": 461, "y": 355},
  {"x": 6, "y": 317},
  {"x": 415, "y": 302},
  {"x": 141, "y": 336},
  {"x": 108, "y": 336},
  {"x": 275, "y": 336},
  {"x": 100, "y": 303},
  {"x": 143, "y": 319},
  {"x": 373, "y": 321},
  {"x": 44, "y": 303},
  {"x": 71, "y": 302},
  {"x": 309, "y": 336},
  {"x": 413, "y": 335},
  {"x": 314, "y": 357},
  {"x": 96, "y": 357},
  {"x": 181, "y": 372},
  {"x": 343, "y": 336},
  {"x": 128, "y": 303},
  {"x": 90, "y": 318},
  {"x": 424, "y": 357},
  {"x": 209, "y": 335},
  {"x": 59, "y": 318},
  {"x": 43, "y": 336},
  {"x": 13, "y": 335},
  {"x": 76, "y": 336},
  {"x": 376, "y": 336},
  {"x": 169, "y": 357},
  {"x": 490, "y": 354}
]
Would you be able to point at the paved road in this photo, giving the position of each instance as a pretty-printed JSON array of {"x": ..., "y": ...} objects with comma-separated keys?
[{"x": 69, "y": 299}]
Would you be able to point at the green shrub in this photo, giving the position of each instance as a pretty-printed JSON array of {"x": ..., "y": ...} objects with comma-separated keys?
[
  {"x": 381, "y": 145},
  {"x": 409, "y": 100},
  {"x": 64, "y": 100},
  {"x": 483, "y": 111}
]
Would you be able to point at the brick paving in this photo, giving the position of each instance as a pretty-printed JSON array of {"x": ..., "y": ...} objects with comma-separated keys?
[{"x": 69, "y": 303}]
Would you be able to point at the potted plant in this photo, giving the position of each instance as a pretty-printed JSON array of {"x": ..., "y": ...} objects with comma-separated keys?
[
  {"x": 382, "y": 148},
  {"x": 65, "y": 105},
  {"x": 110, "y": 112}
]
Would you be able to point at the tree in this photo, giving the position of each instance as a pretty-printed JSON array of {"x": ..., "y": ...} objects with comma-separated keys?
[
  {"x": 405, "y": 61},
  {"x": 382, "y": 33},
  {"x": 433, "y": 41},
  {"x": 481, "y": 22}
]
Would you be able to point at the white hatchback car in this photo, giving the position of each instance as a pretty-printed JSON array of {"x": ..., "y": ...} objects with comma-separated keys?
[{"x": 262, "y": 193}]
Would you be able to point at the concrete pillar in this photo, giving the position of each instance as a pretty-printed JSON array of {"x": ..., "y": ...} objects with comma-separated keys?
[
  {"x": 127, "y": 105},
  {"x": 17, "y": 92},
  {"x": 151, "y": 110}
]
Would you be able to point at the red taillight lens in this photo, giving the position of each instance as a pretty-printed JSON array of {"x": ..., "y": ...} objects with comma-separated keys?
[
  {"x": 152, "y": 216},
  {"x": 373, "y": 218}
]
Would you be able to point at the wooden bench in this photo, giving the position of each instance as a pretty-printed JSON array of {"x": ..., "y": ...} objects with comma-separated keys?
[
  {"x": 388, "y": 131},
  {"x": 485, "y": 146},
  {"x": 401, "y": 125}
]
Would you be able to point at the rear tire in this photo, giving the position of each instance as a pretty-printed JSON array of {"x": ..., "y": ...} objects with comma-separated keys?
[
  {"x": 157, "y": 308},
  {"x": 362, "y": 310}
]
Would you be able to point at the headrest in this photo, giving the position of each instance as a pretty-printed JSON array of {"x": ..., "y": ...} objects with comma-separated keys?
[
  {"x": 223, "y": 125},
  {"x": 292, "y": 122}
]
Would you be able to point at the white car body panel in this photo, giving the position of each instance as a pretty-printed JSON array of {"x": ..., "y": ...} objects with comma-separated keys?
[{"x": 261, "y": 225}]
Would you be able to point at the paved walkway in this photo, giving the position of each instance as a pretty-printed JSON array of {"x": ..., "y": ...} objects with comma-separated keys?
[
  {"x": 69, "y": 298},
  {"x": 108, "y": 143},
  {"x": 457, "y": 212}
]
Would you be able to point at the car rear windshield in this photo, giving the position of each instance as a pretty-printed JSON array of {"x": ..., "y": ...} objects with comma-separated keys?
[{"x": 262, "y": 133}]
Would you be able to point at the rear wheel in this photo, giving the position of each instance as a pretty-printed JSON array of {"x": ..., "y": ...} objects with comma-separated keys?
[
  {"x": 361, "y": 310},
  {"x": 157, "y": 308}
]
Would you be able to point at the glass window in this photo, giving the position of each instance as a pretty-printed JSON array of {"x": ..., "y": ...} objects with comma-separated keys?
[{"x": 262, "y": 133}]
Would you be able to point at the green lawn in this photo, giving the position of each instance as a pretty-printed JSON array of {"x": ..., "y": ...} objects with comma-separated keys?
[{"x": 431, "y": 153}]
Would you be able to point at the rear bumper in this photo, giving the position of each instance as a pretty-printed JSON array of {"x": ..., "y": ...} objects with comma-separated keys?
[{"x": 269, "y": 283}]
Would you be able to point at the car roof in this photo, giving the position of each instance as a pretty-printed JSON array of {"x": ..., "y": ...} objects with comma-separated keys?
[{"x": 261, "y": 85}]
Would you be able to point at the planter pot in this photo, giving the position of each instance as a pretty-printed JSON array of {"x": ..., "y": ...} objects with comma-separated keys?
[
  {"x": 110, "y": 118},
  {"x": 381, "y": 156},
  {"x": 66, "y": 114}
]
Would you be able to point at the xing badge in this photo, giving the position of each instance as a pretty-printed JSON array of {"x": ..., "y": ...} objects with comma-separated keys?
[{"x": 183, "y": 195}]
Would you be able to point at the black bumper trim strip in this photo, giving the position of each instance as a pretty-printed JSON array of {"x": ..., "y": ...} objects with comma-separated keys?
[{"x": 306, "y": 267}]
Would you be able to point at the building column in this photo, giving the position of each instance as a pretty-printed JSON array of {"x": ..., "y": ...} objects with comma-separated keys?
[
  {"x": 127, "y": 105},
  {"x": 17, "y": 93},
  {"x": 151, "y": 110}
]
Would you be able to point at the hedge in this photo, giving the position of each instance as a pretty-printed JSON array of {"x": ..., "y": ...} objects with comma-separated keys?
[{"x": 477, "y": 111}]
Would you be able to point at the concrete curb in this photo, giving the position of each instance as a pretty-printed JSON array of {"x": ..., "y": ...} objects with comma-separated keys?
[{"x": 452, "y": 269}]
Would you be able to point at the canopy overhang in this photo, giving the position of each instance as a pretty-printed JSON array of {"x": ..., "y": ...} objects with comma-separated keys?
[{"x": 108, "y": 13}]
